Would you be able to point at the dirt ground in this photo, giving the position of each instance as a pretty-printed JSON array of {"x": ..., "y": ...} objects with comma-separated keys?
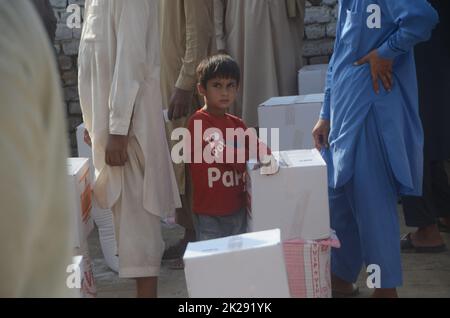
[{"x": 424, "y": 275}]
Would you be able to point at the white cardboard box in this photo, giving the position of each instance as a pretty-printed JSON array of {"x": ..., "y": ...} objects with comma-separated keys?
[
  {"x": 295, "y": 200},
  {"x": 294, "y": 116},
  {"x": 87, "y": 285},
  {"x": 312, "y": 79},
  {"x": 80, "y": 186},
  {"x": 245, "y": 266},
  {"x": 102, "y": 218},
  {"x": 84, "y": 151}
]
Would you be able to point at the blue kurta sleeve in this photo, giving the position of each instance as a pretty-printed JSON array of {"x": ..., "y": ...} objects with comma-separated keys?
[
  {"x": 325, "y": 112},
  {"x": 415, "y": 20}
]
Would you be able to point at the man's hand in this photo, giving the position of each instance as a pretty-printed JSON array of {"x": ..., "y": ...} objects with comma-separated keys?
[
  {"x": 116, "y": 151},
  {"x": 87, "y": 138},
  {"x": 179, "y": 103},
  {"x": 380, "y": 68},
  {"x": 321, "y": 133}
]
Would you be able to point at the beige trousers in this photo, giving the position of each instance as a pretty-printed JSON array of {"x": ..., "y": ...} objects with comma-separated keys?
[{"x": 138, "y": 232}]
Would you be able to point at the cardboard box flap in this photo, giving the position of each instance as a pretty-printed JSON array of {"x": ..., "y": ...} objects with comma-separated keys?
[
  {"x": 293, "y": 100},
  {"x": 232, "y": 244},
  {"x": 75, "y": 164},
  {"x": 251, "y": 164},
  {"x": 314, "y": 68},
  {"x": 299, "y": 158}
]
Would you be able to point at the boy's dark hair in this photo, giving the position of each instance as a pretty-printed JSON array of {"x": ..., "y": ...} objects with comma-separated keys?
[{"x": 218, "y": 66}]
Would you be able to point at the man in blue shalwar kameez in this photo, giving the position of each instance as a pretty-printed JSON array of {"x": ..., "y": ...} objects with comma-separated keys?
[{"x": 371, "y": 136}]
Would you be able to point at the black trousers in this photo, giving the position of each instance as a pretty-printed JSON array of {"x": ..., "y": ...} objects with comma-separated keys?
[{"x": 435, "y": 202}]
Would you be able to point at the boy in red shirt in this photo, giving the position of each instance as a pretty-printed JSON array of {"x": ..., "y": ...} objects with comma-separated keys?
[{"x": 220, "y": 146}]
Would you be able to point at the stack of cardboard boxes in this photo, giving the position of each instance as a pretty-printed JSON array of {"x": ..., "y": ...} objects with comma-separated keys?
[
  {"x": 80, "y": 186},
  {"x": 102, "y": 218},
  {"x": 296, "y": 201}
]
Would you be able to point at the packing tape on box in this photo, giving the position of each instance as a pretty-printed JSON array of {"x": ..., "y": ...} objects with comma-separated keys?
[
  {"x": 284, "y": 161},
  {"x": 290, "y": 116},
  {"x": 235, "y": 243}
]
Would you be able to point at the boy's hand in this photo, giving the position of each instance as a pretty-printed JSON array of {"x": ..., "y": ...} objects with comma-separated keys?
[
  {"x": 179, "y": 103},
  {"x": 321, "y": 133},
  {"x": 116, "y": 151},
  {"x": 87, "y": 138},
  {"x": 269, "y": 166},
  {"x": 380, "y": 68}
]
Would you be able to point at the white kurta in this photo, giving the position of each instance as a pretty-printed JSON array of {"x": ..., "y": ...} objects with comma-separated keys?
[
  {"x": 119, "y": 86},
  {"x": 266, "y": 43},
  {"x": 35, "y": 219}
]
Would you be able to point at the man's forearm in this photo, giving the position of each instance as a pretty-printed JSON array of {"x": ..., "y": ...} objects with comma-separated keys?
[{"x": 199, "y": 38}]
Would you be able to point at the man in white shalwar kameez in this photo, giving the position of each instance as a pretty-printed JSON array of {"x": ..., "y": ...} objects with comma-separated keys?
[
  {"x": 266, "y": 38},
  {"x": 120, "y": 96},
  {"x": 35, "y": 215}
]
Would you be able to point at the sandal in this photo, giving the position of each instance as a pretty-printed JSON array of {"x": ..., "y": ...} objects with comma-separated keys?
[
  {"x": 176, "y": 251},
  {"x": 176, "y": 265},
  {"x": 408, "y": 246}
]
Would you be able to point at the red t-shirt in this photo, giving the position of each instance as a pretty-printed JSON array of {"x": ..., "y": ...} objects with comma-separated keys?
[{"x": 218, "y": 185}]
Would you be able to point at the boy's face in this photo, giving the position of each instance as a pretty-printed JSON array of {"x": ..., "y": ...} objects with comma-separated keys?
[{"x": 220, "y": 93}]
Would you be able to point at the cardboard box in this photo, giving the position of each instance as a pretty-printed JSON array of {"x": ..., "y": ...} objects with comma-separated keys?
[
  {"x": 103, "y": 218},
  {"x": 295, "y": 200},
  {"x": 312, "y": 79},
  {"x": 308, "y": 267},
  {"x": 80, "y": 186},
  {"x": 87, "y": 288},
  {"x": 294, "y": 116},
  {"x": 84, "y": 151},
  {"x": 245, "y": 266},
  {"x": 76, "y": 275}
]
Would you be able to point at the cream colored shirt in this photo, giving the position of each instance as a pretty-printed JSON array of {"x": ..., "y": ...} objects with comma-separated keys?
[
  {"x": 266, "y": 39},
  {"x": 119, "y": 86},
  {"x": 35, "y": 220},
  {"x": 187, "y": 37}
]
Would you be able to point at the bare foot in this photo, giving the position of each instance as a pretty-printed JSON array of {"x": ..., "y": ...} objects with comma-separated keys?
[
  {"x": 385, "y": 293},
  {"x": 342, "y": 288},
  {"x": 428, "y": 236},
  {"x": 147, "y": 287},
  {"x": 176, "y": 251}
]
